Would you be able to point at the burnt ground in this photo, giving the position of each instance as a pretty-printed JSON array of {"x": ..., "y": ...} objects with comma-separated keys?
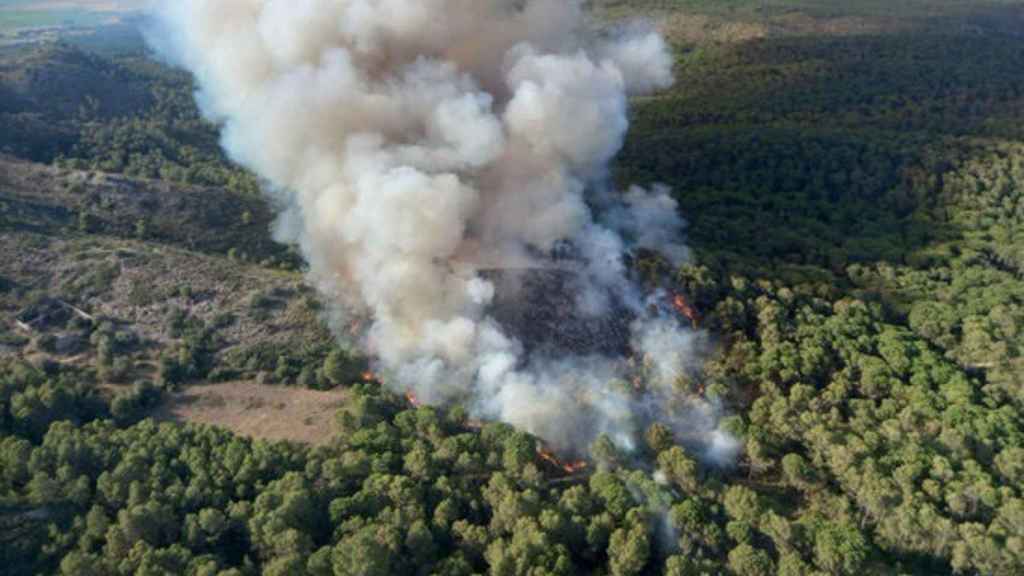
[{"x": 538, "y": 306}]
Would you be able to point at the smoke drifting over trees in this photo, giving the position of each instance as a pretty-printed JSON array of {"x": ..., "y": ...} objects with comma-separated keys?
[{"x": 416, "y": 143}]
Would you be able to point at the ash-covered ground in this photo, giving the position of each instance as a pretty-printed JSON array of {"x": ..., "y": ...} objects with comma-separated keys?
[{"x": 538, "y": 307}]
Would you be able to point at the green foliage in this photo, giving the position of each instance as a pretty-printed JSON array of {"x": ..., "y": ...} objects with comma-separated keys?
[
  {"x": 304, "y": 364},
  {"x": 679, "y": 468},
  {"x": 628, "y": 550},
  {"x": 131, "y": 406},
  {"x": 116, "y": 113},
  {"x": 342, "y": 367},
  {"x": 745, "y": 560},
  {"x": 31, "y": 400},
  {"x": 840, "y": 549}
]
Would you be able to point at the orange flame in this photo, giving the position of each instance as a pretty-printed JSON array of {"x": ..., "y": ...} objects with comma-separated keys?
[
  {"x": 574, "y": 467},
  {"x": 548, "y": 455},
  {"x": 369, "y": 376},
  {"x": 355, "y": 326},
  {"x": 683, "y": 307},
  {"x": 568, "y": 467},
  {"x": 411, "y": 397}
]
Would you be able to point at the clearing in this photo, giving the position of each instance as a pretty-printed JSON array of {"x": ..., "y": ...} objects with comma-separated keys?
[{"x": 258, "y": 410}]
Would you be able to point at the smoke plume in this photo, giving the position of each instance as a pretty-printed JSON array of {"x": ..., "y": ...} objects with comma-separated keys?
[{"x": 416, "y": 144}]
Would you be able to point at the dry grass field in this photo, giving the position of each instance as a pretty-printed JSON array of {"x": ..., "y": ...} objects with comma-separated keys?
[{"x": 258, "y": 410}]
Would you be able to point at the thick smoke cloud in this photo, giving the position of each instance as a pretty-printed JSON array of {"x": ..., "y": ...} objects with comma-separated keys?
[{"x": 415, "y": 144}]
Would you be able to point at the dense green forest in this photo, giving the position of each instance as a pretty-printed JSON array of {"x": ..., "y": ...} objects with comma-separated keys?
[
  {"x": 855, "y": 199},
  {"x": 126, "y": 114}
]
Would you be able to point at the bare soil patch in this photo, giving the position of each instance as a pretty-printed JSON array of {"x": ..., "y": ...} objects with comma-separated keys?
[{"x": 258, "y": 410}]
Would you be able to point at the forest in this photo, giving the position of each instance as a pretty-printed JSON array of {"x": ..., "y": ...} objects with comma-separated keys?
[{"x": 854, "y": 191}]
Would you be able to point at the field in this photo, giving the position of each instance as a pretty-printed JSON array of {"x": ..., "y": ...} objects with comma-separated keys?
[{"x": 258, "y": 410}]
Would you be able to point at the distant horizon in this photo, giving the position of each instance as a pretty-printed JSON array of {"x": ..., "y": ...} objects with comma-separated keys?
[
  {"x": 90, "y": 5},
  {"x": 19, "y": 16}
]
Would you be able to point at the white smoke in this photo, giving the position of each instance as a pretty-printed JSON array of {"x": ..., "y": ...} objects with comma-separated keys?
[{"x": 415, "y": 143}]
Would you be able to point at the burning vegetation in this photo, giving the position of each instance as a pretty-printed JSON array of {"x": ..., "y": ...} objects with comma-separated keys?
[
  {"x": 682, "y": 305},
  {"x": 570, "y": 468},
  {"x": 552, "y": 321},
  {"x": 410, "y": 396}
]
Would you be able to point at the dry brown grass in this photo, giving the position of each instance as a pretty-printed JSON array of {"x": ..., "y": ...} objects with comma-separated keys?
[
  {"x": 701, "y": 29},
  {"x": 139, "y": 283},
  {"x": 258, "y": 410}
]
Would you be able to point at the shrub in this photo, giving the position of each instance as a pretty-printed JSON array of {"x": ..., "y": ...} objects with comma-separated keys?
[
  {"x": 176, "y": 322},
  {"x": 46, "y": 342},
  {"x": 342, "y": 367},
  {"x": 308, "y": 378},
  {"x": 170, "y": 372},
  {"x": 130, "y": 407}
]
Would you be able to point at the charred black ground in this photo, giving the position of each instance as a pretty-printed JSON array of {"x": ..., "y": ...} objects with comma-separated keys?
[{"x": 538, "y": 307}]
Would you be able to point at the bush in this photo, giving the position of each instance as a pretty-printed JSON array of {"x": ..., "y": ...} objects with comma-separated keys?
[
  {"x": 104, "y": 330},
  {"x": 176, "y": 322},
  {"x": 283, "y": 371},
  {"x": 120, "y": 370},
  {"x": 125, "y": 340},
  {"x": 46, "y": 343},
  {"x": 170, "y": 372},
  {"x": 223, "y": 374},
  {"x": 308, "y": 378},
  {"x": 105, "y": 351},
  {"x": 222, "y": 320},
  {"x": 131, "y": 406},
  {"x": 342, "y": 367}
]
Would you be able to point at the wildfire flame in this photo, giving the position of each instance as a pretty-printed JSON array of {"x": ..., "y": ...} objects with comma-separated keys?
[
  {"x": 682, "y": 306},
  {"x": 569, "y": 467},
  {"x": 574, "y": 467},
  {"x": 411, "y": 397},
  {"x": 355, "y": 326},
  {"x": 369, "y": 376}
]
